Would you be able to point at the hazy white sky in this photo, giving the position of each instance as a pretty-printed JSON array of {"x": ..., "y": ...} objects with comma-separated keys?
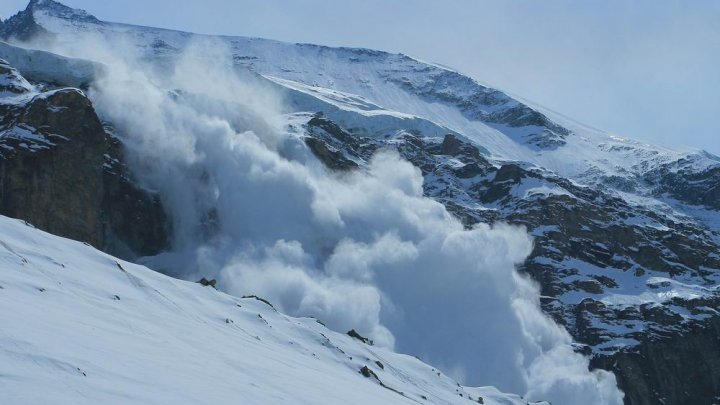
[{"x": 645, "y": 69}]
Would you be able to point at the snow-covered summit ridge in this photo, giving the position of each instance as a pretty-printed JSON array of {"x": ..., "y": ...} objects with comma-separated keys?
[
  {"x": 398, "y": 84},
  {"x": 59, "y": 10},
  {"x": 431, "y": 82}
]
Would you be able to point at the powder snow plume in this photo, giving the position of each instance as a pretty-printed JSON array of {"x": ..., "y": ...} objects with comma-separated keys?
[{"x": 254, "y": 209}]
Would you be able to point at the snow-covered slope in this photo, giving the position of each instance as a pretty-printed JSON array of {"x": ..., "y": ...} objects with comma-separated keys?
[{"x": 81, "y": 327}]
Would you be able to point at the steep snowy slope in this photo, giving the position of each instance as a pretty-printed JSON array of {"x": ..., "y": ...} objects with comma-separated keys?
[{"x": 82, "y": 327}]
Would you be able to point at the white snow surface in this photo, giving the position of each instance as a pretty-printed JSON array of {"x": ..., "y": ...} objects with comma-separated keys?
[{"x": 78, "y": 326}]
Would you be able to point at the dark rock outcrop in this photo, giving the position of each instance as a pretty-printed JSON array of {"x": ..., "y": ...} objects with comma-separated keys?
[
  {"x": 687, "y": 185},
  {"x": 680, "y": 370},
  {"x": 133, "y": 220},
  {"x": 353, "y": 334},
  {"x": 51, "y": 171},
  {"x": 332, "y": 158},
  {"x": 11, "y": 82},
  {"x": 22, "y": 26},
  {"x": 61, "y": 171}
]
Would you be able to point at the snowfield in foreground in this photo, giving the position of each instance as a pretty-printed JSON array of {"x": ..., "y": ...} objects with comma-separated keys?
[{"x": 87, "y": 328}]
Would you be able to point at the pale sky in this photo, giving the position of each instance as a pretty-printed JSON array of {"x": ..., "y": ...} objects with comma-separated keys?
[{"x": 645, "y": 69}]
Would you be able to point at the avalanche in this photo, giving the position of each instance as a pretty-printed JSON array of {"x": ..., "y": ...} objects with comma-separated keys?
[{"x": 80, "y": 327}]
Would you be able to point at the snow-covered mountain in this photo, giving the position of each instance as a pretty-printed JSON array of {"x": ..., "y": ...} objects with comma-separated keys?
[{"x": 626, "y": 234}]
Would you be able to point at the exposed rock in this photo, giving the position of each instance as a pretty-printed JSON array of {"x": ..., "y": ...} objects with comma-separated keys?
[
  {"x": 682, "y": 369},
  {"x": 367, "y": 373},
  {"x": 11, "y": 82},
  {"x": 333, "y": 159},
  {"x": 51, "y": 169},
  {"x": 696, "y": 188},
  {"x": 22, "y": 26},
  {"x": 134, "y": 221},
  {"x": 263, "y": 300},
  {"x": 208, "y": 283},
  {"x": 62, "y": 172},
  {"x": 353, "y": 334},
  {"x": 453, "y": 146}
]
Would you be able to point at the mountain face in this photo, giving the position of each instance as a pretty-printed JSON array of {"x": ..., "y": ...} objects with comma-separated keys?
[
  {"x": 659, "y": 341},
  {"x": 626, "y": 234},
  {"x": 63, "y": 171}
]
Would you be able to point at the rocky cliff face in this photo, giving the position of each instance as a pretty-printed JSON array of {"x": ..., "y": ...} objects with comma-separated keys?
[
  {"x": 61, "y": 171},
  {"x": 22, "y": 26},
  {"x": 679, "y": 369}
]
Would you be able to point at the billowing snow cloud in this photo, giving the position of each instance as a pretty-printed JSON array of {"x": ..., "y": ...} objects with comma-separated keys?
[{"x": 366, "y": 250}]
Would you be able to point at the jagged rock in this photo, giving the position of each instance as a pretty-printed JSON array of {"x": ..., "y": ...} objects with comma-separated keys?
[
  {"x": 61, "y": 171},
  {"x": 682, "y": 369},
  {"x": 450, "y": 145},
  {"x": 134, "y": 220},
  {"x": 367, "y": 373},
  {"x": 205, "y": 282},
  {"x": 333, "y": 159},
  {"x": 453, "y": 146},
  {"x": 353, "y": 334},
  {"x": 52, "y": 166},
  {"x": 325, "y": 145},
  {"x": 696, "y": 188},
  {"x": 11, "y": 82},
  {"x": 22, "y": 26}
]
